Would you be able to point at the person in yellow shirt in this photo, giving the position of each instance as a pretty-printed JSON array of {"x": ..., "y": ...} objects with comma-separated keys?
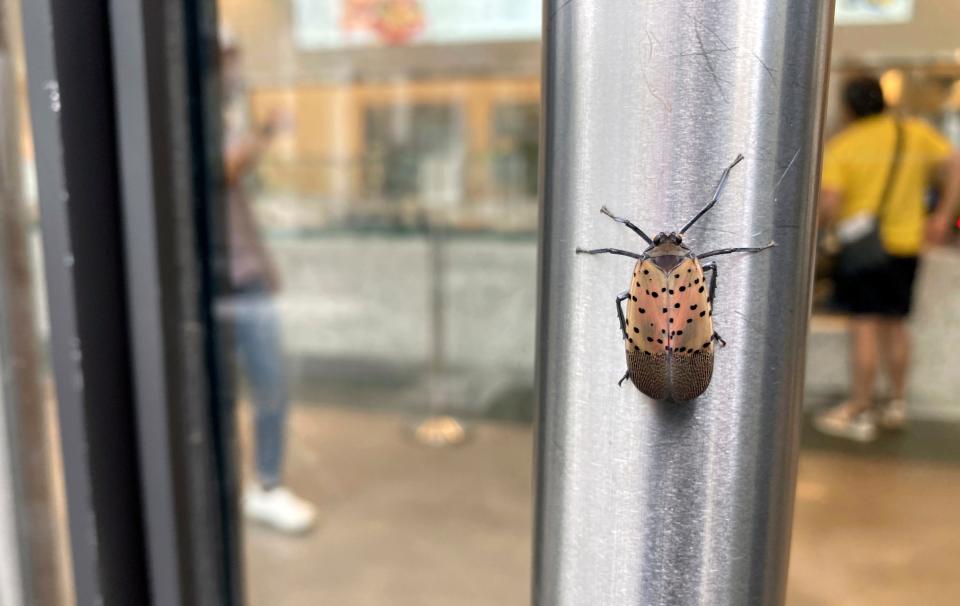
[{"x": 875, "y": 148}]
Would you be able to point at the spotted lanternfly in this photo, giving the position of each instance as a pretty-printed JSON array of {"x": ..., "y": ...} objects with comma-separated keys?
[{"x": 668, "y": 328}]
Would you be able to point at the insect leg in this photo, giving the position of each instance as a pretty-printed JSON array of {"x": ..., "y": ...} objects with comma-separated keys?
[
  {"x": 712, "y": 268},
  {"x": 609, "y": 251},
  {"x": 716, "y": 195},
  {"x": 623, "y": 326},
  {"x": 627, "y": 222},
  {"x": 727, "y": 251},
  {"x": 620, "y": 299}
]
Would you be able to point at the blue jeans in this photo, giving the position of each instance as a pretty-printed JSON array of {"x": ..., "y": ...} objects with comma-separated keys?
[{"x": 257, "y": 332}]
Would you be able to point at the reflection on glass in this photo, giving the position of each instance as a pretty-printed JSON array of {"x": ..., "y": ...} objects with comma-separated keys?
[
  {"x": 413, "y": 152},
  {"x": 516, "y": 130},
  {"x": 396, "y": 205},
  {"x": 34, "y": 545},
  {"x": 251, "y": 309},
  {"x": 395, "y": 197}
]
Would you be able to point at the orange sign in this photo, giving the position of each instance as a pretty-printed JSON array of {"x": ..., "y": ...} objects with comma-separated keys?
[{"x": 393, "y": 21}]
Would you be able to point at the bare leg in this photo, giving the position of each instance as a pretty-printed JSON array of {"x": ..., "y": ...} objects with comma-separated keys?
[
  {"x": 896, "y": 343},
  {"x": 609, "y": 251},
  {"x": 864, "y": 351},
  {"x": 846, "y": 420}
]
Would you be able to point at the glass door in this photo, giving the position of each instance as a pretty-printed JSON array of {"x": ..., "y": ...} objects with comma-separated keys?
[{"x": 380, "y": 164}]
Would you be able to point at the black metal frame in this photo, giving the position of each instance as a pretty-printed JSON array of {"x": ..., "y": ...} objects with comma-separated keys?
[
  {"x": 125, "y": 114},
  {"x": 70, "y": 90},
  {"x": 198, "y": 28}
]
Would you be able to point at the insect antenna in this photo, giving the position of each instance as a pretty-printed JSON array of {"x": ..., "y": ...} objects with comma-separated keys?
[
  {"x": 716, "y": 195},
  {"x": 743, "y": 249},
  {"x": 627, "y": 222}
]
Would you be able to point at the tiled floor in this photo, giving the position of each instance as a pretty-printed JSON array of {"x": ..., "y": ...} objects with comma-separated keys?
[
  {"x": 401, "y": 524},
  {"x": 875, "y": 532},
  {"x": 406, "y": 525}
]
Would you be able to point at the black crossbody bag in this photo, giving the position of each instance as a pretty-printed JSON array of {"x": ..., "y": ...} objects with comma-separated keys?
[{"x": 867, "y": 253}]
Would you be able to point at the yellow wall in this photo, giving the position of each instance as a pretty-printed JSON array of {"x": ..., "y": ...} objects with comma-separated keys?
[
  {"x": 931, "y": 32},
  {"x": 320, "y": 155}
]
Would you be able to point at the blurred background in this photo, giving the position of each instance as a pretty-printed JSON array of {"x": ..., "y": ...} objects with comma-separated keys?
[{"x": 394, "y": 190}]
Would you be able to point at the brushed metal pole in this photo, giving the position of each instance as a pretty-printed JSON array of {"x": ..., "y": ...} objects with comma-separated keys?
[{"x": 645, "y": 103}]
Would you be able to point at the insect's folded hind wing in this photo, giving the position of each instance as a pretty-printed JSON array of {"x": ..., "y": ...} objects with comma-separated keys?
[
  {"x": 690, "y": 374},
  {"x": 690, "y": 332},
  {"x": 649, "y": 373}
]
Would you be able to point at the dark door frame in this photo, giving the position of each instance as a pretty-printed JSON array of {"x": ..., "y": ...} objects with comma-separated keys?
[{"x": 124, "y": 107}]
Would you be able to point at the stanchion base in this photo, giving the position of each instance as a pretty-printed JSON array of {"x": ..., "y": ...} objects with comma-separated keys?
[{"x": 440, "y": 430}]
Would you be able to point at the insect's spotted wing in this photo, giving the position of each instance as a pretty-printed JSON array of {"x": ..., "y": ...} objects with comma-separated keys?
[
  {"x": 690, "y": 331},
  {"x": 690, "y": 321},
  {"x": 647, "y": 334}
]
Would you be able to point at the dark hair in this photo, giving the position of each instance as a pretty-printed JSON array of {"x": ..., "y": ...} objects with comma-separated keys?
[{"x": 864, "y": 97}]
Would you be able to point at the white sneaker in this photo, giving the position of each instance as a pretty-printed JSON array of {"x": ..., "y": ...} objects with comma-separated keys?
[
  {"x": 840, "y": 422},
  {"x": 894, "y": 414},
  {"x": 279, "y": 509}
]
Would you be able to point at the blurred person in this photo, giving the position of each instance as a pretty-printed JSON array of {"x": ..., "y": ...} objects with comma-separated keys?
[
  {"x": 256, "y": 324},
  {"x": 876, "y": 172}
]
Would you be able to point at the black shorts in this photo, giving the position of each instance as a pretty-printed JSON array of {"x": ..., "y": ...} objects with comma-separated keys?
[{"x": 886, "y": 291}]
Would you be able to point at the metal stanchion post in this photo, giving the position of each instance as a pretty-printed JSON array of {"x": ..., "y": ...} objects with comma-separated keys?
[
  {"x": 440, "y": 427},
  {"x": 651, "y": 502}
]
